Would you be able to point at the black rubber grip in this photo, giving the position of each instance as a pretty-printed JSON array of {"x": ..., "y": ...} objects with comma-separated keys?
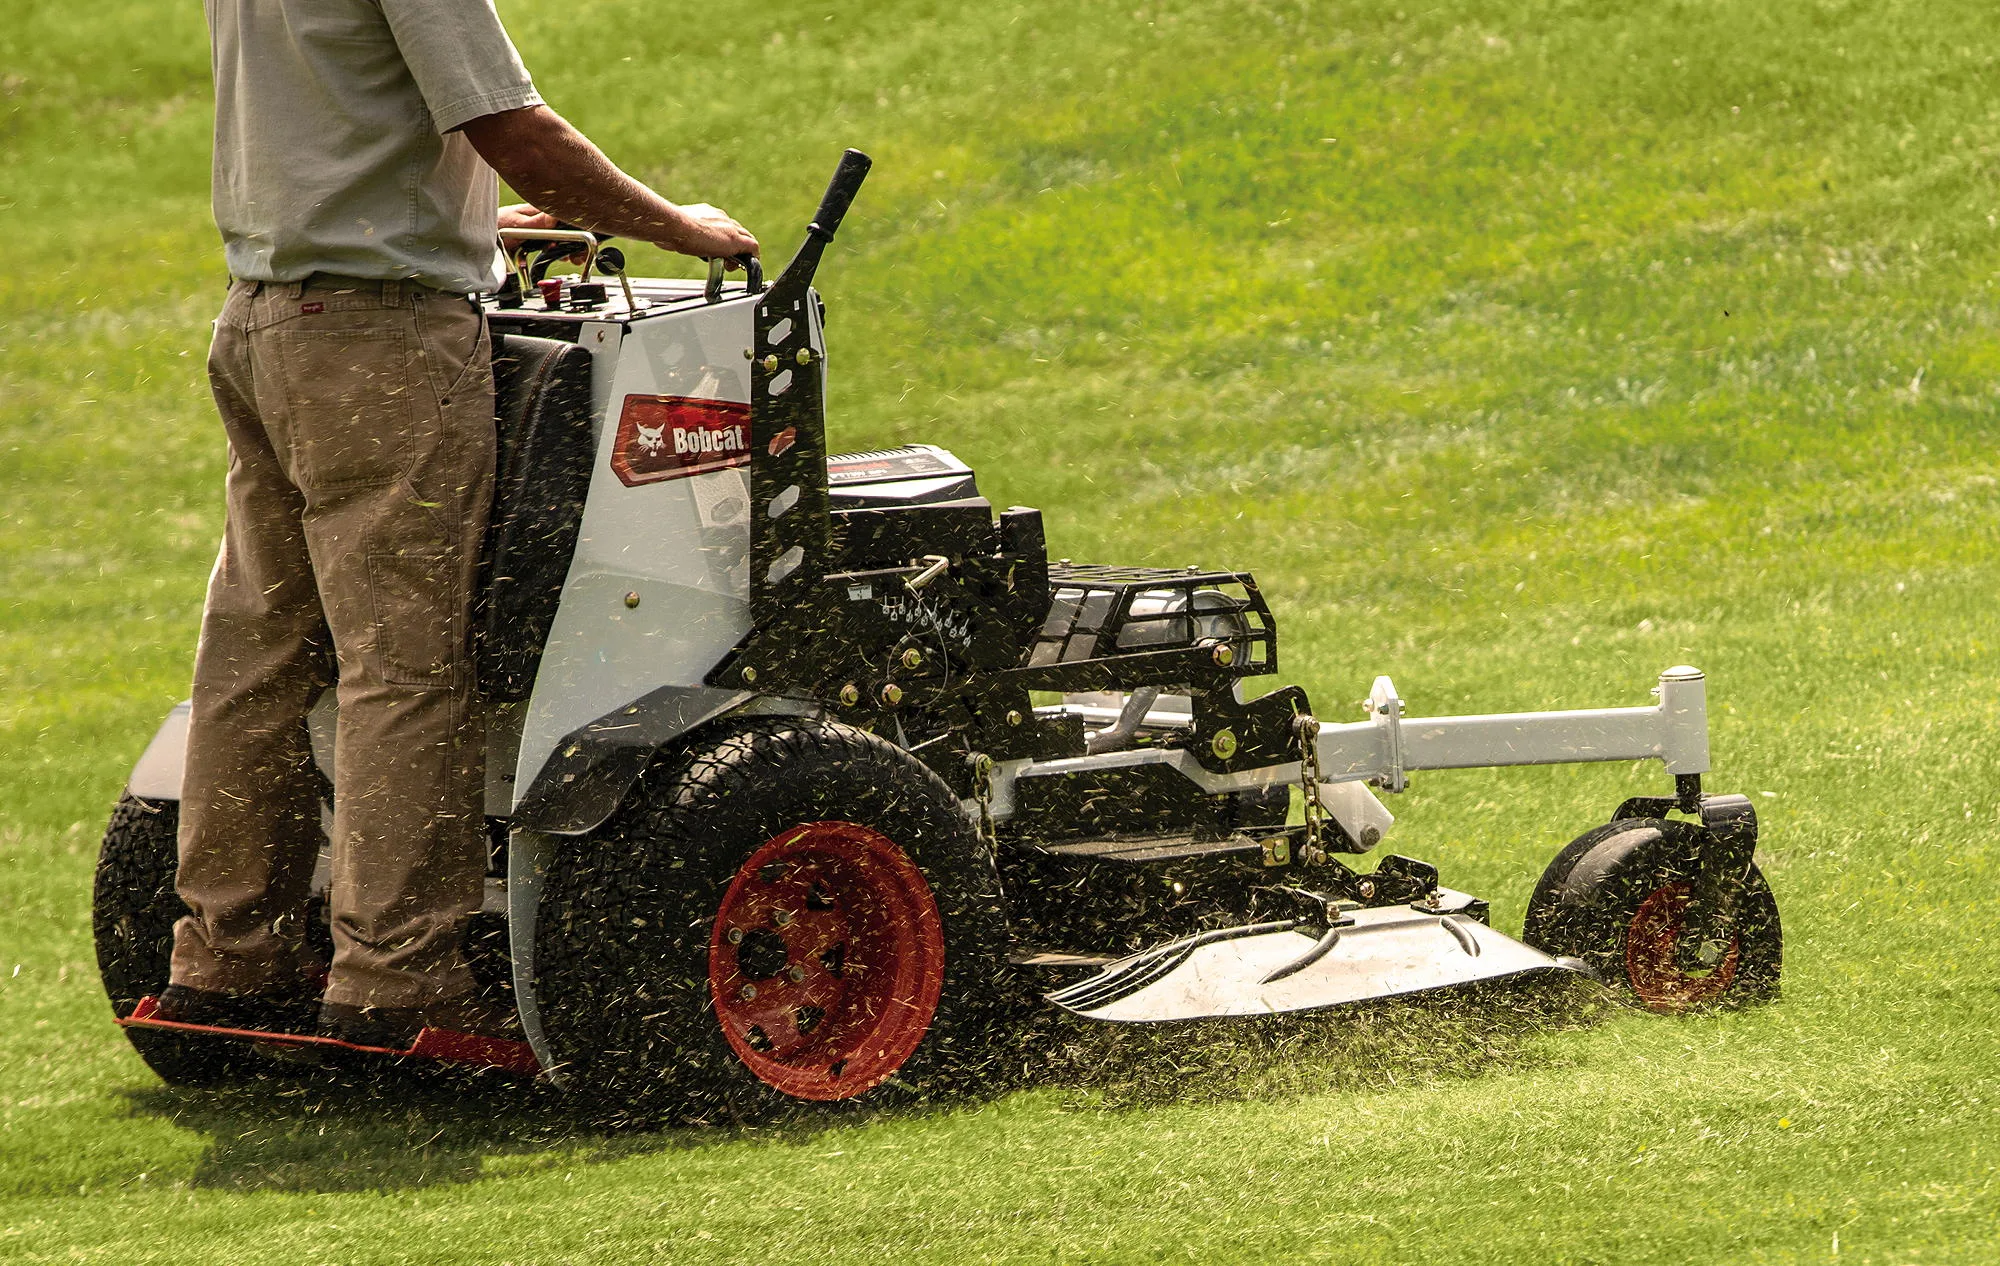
[{"x": 840, "y": 192}]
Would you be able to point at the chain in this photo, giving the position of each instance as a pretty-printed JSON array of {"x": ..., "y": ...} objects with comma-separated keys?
[
  {"x": 982, "y": 793},
  {"x": 1306, "y": 726}
]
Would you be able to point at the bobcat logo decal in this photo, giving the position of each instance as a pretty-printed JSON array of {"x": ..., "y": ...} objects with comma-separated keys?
[{"x": 672, "y": 437}]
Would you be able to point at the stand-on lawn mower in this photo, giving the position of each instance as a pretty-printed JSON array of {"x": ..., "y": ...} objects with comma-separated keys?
[{"x": 776, "y": 815}]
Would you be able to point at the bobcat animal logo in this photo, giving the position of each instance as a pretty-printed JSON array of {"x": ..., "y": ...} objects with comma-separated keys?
[{"x": 652, "y": 439}]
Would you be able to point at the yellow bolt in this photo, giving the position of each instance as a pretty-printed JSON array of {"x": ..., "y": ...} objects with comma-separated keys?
[{"x": 892, "y": 694}]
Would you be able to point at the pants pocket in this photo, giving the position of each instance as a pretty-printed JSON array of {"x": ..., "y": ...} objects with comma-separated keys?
[
  {"x": 457, "y": 347},
  {"x": 349, "y": 397},
  {"x": 418, "y": 617}
]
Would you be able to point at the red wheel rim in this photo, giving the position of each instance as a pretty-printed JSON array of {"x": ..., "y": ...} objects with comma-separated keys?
[
  {"x": 827, "y": 960},
  {"x": 1649, "y": 955}
]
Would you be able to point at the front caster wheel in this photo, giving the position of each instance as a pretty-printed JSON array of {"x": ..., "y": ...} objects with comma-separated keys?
[{"x": 1616, "y": 898}]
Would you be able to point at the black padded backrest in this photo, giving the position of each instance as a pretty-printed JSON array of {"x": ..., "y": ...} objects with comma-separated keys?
[{"x": 541, "y": 399}]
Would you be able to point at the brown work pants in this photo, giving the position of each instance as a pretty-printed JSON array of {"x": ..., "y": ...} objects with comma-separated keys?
[{"x": 360, "y": 425}]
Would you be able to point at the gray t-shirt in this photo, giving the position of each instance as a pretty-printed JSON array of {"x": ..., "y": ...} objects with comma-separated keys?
[{"x": 334, "y": 143}]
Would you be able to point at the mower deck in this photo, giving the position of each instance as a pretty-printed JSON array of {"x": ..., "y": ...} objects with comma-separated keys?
[
  {"x": 1291, "y": 966},
  {"x": 442, "y": 1046}
]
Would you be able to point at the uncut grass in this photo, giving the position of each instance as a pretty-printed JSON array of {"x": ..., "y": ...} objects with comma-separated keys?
[{"x": 1525, "y": 350}]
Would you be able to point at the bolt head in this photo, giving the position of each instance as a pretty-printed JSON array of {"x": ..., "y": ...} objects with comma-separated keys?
[
  {"x": 748, "y": 354},
  {"x": 1366, "y": 888},
  {"x": 892, "y": 694},
  {"x": 850, "y": 694},
  {"x": 913, "y": 658},
  {"x": 632, "y": 599},
  {"x": 1223, "y": 654},
  {"x": 795, "y": 973},
  {"x": 1014, "y": 716},
  {"x": 734, "y": 936},
  {"x": 748, "y": 993},
  {"x": 805, "y": 356},
  {"x": 1223, "y": 744},
  {"x": 771, "y": 364},
  {"x": 783, "y": 918},
  {"x": 749, "y": 676}
]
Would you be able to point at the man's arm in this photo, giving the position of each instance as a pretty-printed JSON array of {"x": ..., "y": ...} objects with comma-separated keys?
[{"x": 556, "y": 167}]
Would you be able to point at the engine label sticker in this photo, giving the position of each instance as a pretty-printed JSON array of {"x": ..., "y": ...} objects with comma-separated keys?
[{"x": 672, "y": 437}]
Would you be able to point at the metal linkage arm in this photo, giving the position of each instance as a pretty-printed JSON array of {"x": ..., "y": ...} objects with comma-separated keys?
[{"x": 1384, "y": 748}]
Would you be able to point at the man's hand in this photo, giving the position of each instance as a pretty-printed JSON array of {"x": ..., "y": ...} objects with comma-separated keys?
[
  {"x": 711, "y": 234},
  {"x": 523, "y": 216},
  {"x": 537, "y": 152}
]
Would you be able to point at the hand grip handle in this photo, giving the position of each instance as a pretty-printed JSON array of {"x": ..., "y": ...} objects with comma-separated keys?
[
  {"x": 753, "y": 276},
  {"x": 840, "y": 192}
]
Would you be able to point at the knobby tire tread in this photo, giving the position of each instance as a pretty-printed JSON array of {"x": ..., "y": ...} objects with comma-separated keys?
[
  {"x": 133, "y": 911},
  {"x": 1585, "y": 903},
  {"x": 626, "y": 913}
]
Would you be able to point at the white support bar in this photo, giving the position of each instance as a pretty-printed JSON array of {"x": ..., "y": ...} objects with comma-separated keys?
[{"x": 1673, "y": 731}]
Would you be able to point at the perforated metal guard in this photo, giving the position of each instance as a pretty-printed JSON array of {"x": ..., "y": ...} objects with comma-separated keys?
[
  {"x": 1098, "y": 612},
  {"x": 789, "y": 550}
]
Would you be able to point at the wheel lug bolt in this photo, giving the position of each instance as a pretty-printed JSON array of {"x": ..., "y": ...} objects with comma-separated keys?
[
  {"x": 748, "y": 993},
  {"x": 734, "y": 936},
  {"x": 795, "y": 974}
]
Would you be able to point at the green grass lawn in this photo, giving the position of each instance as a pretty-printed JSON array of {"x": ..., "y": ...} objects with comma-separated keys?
[{"x": 1521, "y": 348}]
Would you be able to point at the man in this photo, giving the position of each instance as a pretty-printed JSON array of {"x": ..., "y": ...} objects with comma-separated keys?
[{"x": 356, "y": 143}]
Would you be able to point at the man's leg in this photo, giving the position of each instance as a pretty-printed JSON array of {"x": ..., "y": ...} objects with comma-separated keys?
[
  {"x": 390, "y": 397},
  {"x": 250, "y": 815}
]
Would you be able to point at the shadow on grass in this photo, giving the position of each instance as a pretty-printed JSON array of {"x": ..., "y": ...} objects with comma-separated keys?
[{"x": 342, "y": 1132}]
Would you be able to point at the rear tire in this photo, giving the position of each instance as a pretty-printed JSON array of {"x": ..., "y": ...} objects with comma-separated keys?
[
  {"x": 787, "y": 910},
  {"x": 1614, "y": 898},
  {"x": 133, "y": 911}
]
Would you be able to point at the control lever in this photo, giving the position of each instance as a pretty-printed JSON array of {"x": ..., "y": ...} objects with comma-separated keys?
[
  {"x": 548, "y": 246},
  {"x": 611, "y": 263},
  {"x": 753, "y": 276}
]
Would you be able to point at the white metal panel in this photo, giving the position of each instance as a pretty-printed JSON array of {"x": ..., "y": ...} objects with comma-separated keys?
[
  {"x": 157, "y": 776},
  {"x": 658, "y": 591}
]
